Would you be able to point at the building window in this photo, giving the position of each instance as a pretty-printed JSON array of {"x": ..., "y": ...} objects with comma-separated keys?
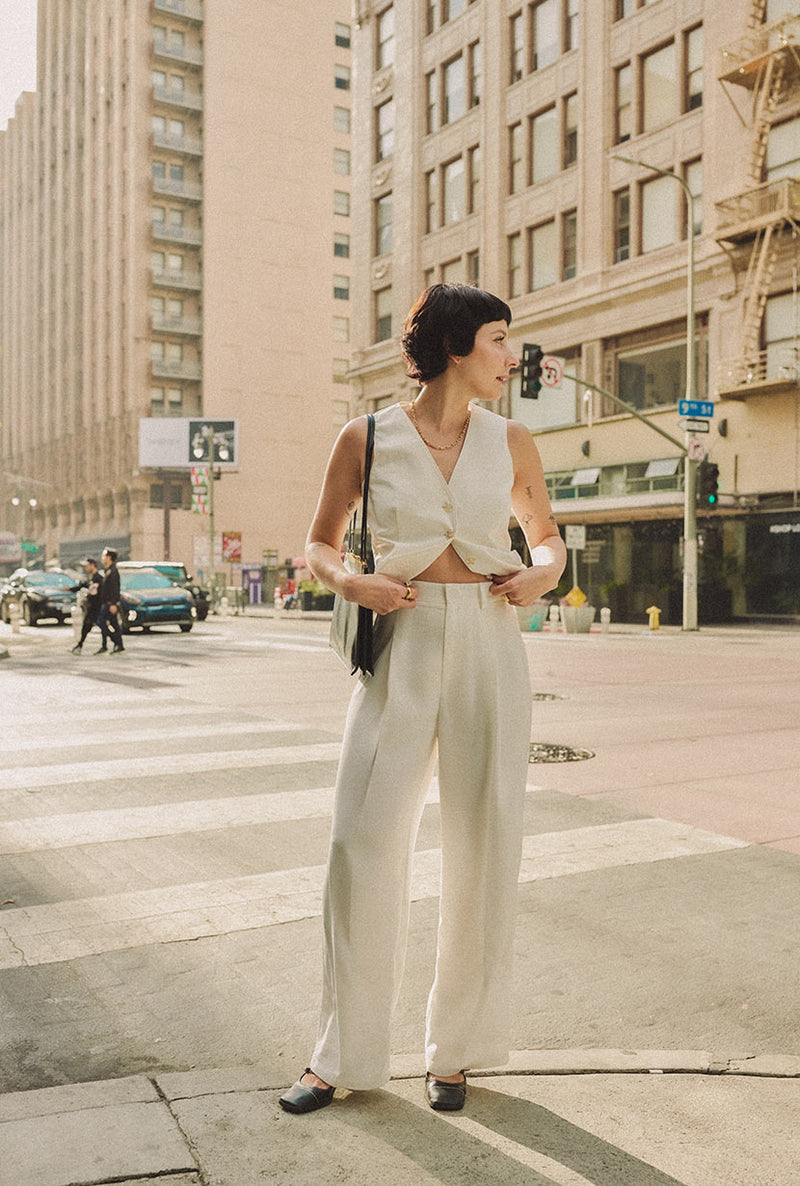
[
  {"x": 341, "y": 78},
  {"x": 159, "y": 124},
  {"x": 158, "y": 170},
  {"x": 514, "y": 265},
  {"x": 159, "y": 78},
  {"x": 385, "y": 32},
  {"x": 659, "y": 88},
  {"x": 341, "y": 288},
  {"x": 658, "y": 213},
  {"x": 157, "y": 401},
  {"x": 383, "y": 225},
  {"x": 341, "y": 329},
  {"x": 517, "y": 46},
  {"x": 341, "y": 119},
  {"x": 544, "y": 145},
  {"x": 783, "y": 150},
  {"x": 174, "y": 262},
  {"x": 475, "y": 74},
  {"x": 431, "y": 201},
  {"x": 780, "y": 336},
  {"x": 384, "y": 130},
  {"x": 452, "y": 272},
  {"x": 693, "y": 176},
  {"x": 622, "y": 225},
  {"x": 432, "y": 102},
  {"x": 341, "y": 35},
  {"x": 569, "y": 245},
  {"x": 454, "y": 8},
  {"x": 515, "y": 172},
  {"x": 650, "y": 376},
  {"x": 623, "y": 102},
  {"x": 341, "y": 202},
  {"x": 453, "y": 191},
  {"x": 543, "y": 264},
  {"x": 570, "y": 129},
  {"x": 432, "y": 16},
  {"x": 546, "y": 34},
  {"x": 474, "y": 179},
  {"x": 454, "y": 90},
  {"x": 693, "y": 54},
  {"x": 572, "y": 24},
  {"x": 341, "y": 162},
  {"x": 157, "y": 261},
  {"x": 340, "y": 368},
  {"x": 624, "y": 8},
  {"x": 474, "y": 268},
  {"x": 383, "y": 314},
  {"x": 341, "y": 245}
]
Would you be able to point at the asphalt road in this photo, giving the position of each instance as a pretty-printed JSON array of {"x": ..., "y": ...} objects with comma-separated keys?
[{"x": 164, "y": 818}]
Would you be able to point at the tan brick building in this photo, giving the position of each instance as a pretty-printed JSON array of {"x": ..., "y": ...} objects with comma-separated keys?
[
  {"x": 486, "y": 137},
  {"x": 175, "y": 239}
]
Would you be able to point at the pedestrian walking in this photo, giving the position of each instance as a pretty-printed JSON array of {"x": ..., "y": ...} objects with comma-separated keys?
[
  {"x": 92, "y": 587},
  {"x": 108, "y": 618},
  {"x": 451, "y": 681}
]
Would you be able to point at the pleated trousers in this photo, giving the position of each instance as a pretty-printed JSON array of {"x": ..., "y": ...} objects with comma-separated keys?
[{"x": 453, "y": 682}]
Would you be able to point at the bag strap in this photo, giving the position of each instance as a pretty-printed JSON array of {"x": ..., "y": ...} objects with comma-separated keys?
[{"x": 364, "y": 552}]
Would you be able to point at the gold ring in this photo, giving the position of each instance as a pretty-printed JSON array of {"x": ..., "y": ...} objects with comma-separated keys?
[
  {"x": 409, "y": 593},
  {"x": 506, "y": 599}
]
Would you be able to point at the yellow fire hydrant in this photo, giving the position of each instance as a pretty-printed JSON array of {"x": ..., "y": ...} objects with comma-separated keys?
[{"x": 654, "y": 614}]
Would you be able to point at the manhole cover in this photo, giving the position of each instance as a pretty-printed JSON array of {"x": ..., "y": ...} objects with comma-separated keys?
[
  {"x": 542, "y": 751},
  {"x": 547, "y": 696}
]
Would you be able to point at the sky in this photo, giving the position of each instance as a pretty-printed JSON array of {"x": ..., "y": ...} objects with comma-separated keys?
[{"x": 17, "y": 53}]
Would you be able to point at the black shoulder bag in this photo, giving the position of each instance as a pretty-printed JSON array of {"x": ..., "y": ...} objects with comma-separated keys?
[{"x": 352, "y": 631}]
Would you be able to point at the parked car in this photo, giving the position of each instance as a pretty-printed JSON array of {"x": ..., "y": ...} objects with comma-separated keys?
[
  {"x": 178, "y": 574},
  {"x": 39, "y": 595},
  {"x": 148, "y": 598}
]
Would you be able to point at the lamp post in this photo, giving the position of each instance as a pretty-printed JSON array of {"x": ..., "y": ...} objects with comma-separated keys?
[
  {"x": 22, "y": 522},
  {"x": 689, "y": 465},
  {"x": 208, "y": 443}
]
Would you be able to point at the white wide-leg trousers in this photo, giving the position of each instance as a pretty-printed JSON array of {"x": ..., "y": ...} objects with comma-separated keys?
[{"x": 453, "y": 680}]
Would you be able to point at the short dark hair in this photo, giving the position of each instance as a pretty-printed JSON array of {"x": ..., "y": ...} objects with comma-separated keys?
[
  {"x": 89, "y": 560},
  {"x": 112, "y": 553},
  {"x": 443, "y": 321}
]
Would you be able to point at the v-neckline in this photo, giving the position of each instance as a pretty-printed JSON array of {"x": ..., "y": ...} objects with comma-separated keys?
[{"x": 431, "y": 458}]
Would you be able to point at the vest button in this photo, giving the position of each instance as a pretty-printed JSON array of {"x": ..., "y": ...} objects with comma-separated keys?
[
  {"x": 449, "y": 534},
  {"x": 470, "y": 560},
  {"x": 447, "y": 506}
]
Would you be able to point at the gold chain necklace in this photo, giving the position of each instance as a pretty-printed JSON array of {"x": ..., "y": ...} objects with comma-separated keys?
[{"x": 438, "y": 448}]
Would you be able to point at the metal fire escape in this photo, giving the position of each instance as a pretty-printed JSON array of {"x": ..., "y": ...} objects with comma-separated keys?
[{"x": 766, "y": 62}]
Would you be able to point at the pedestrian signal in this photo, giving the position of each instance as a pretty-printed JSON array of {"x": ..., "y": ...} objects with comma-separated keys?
[
  {"x": 531, "y": 371},
  {"x": 707, "y": 484}
]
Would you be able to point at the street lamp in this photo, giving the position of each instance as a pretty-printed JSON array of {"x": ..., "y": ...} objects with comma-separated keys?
[
  {"x": 689, "y": 465},
  {"x": 214, "y": 446}
]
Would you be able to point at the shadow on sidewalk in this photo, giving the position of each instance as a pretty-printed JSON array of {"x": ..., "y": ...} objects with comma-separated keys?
[{"x": 449, "y": 1152}]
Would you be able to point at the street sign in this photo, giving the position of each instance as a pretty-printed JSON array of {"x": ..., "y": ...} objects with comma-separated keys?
[
  {"x": 575, "y": 597},
  {"x": 695, "y": 425},
  {"x": 696, "y": 449},
  {"x": 167, "y": 442},
  {"x": 695, "y": 407},
  {"x": 575, "y": 534},
  {"x": 552, "y": 372}
]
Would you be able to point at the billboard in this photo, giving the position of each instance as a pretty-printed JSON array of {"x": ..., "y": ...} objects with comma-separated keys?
[{"x": 180, "y": 443}]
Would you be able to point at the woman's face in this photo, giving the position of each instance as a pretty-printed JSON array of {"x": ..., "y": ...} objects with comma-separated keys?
[{"x": 485, "y": 370}]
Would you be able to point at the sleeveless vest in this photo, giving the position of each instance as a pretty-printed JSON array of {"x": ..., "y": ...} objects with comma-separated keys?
[{"x": 415, "y": 515}]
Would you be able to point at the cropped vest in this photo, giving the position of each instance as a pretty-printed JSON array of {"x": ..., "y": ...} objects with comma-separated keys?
[{"x": 415, "y": 515}]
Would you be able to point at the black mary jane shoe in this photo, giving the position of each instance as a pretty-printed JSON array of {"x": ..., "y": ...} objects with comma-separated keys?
[
  {"x": 445, "y": 1097},
  {"x": 302, "y": 1097}
]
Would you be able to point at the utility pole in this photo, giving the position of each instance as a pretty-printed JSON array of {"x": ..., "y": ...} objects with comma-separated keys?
[{"x": 689, "y": 464}]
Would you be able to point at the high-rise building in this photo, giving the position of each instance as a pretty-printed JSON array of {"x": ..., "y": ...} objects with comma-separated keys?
[
  {"x": 487, "y": 138},
  {"x": 174, "y": 243}
]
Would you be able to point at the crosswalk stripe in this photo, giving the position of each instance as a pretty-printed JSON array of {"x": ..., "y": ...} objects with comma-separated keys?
[
  {"x": 91, "y": 926},
  {"x": 79, "y": 716},
  {"x": 165, "y": 765},
  {"x": 163, "y": 733}
]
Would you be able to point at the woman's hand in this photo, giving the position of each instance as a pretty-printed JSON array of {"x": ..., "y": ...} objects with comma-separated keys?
[
  {"x": 527, "y": 586},
  {"x": 381, "y": 594}
]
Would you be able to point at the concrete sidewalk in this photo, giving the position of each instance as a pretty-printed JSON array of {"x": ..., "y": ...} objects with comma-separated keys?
[{"x": 551, "y": 1118}]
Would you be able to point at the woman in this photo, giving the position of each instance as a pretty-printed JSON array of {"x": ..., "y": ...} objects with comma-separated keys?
[{"x": 452, "y": 682}]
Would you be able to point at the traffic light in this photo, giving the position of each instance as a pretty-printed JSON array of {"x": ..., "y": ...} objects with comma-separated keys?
[
  {"x": 531, "y": 371},
  {"x": 707, "y": 483}
]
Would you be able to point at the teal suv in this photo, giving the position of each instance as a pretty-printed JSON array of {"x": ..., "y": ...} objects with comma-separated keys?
[{"x": 148, "y": 598}]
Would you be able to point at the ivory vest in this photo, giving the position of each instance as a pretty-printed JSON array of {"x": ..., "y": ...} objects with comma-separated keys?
[{"x": 415, "y": 515}]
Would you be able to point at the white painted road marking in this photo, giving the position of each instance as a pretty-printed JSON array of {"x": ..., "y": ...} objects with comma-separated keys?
[
  {"x": 90, "y": 926},
  {"x": 166, "y": 765},
  {"x": 164, "y": 733}
]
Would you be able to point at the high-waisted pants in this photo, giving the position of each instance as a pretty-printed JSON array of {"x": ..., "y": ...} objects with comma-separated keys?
[{"x": 453, "y": 680}]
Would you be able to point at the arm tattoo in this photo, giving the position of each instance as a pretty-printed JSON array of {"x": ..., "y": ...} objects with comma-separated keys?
[
  {"x": 552, "y": 519},
  {"x": 526, "y": 519},
  {"x": 351, "y": 506},
  {"x": 529, "y": 491}
]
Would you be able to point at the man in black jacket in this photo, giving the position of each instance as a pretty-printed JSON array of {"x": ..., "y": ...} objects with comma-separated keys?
[
  {"x": 94, "y": 598},
  {"x": 108, "y": 619}
]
